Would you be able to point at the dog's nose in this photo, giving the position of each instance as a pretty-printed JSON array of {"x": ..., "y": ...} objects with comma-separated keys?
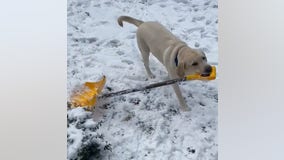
[{"x": 208, "y": 69}]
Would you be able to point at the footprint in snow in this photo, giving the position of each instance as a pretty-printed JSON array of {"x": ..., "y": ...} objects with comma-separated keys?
[
  {"x": 127, "y": 62},
  {"x": 162, "y": 5},
  {"x": 215, "y": 6},
  {"x": 135, "y": 77},
  {"x": 182, "y": 1},
  {"x": 208, "y": 22},
  {"x": 97, "y": 5},
  {"x": 207, "y": 3},
  {"x": 204, "y": 49},
  {"x": 74, "y": 45},
  {"x": 196, "y": 44},
  {"x": 130, "y": 37},
  {"x": 87, "y": 13},
  {"x": 103, "y": 22},
  {"x": 200, "y": 29},
  {"x": 202, "y": 104},
  {"x": 114, "y": 43},
  {"x": 181, "y": 20},
  {"x": 134, "y": 100},
  {"x": 120, "y": 53},
  {"x": 200, "y": 18},
  {"x": 85, "y": 40},
  {"x": 107, "y": 4}
]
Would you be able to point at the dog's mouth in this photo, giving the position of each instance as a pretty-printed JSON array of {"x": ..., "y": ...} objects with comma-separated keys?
[
  {"x": 205, "y": 74},
  {"x": 207, "y": 71}
]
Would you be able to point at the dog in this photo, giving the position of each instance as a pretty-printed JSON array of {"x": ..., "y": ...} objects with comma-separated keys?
[{"x": 177, "y": 57}]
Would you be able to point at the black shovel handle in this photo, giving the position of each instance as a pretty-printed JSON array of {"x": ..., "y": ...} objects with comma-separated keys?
[{"x": 155, "y": 85}]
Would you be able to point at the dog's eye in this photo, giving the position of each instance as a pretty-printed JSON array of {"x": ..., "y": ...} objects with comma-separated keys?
[
  {"x": 195, "y": 64},
  {"x": 204, "y": 58}
]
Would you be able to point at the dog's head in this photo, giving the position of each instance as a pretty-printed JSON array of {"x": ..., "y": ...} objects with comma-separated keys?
[{"x": 192, "y": 61}]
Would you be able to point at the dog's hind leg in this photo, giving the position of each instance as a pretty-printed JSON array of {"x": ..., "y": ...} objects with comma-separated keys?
[
  {"x": 145, "y": 52},
  {"x": 145, "y": 56}
]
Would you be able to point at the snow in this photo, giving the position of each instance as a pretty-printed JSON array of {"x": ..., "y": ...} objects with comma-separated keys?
[{"x": 141, "y": 125}]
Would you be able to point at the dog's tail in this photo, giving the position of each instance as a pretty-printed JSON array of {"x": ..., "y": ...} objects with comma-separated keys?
[{"x": 128, "y": 19}]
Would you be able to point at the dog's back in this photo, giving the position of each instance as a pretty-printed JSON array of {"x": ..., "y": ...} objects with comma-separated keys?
[{"x": 157, "y": 37}]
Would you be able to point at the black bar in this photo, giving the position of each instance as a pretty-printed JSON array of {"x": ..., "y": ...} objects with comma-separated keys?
[{"x": 159, "y": 84}]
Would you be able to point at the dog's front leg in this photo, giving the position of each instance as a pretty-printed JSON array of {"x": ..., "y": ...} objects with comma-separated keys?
[
  {"x": 181, "y": 100},
  {"x": 176, "y": 88}
]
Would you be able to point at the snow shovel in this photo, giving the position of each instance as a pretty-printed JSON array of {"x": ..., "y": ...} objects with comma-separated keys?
[{"x": 86, "y": 97}]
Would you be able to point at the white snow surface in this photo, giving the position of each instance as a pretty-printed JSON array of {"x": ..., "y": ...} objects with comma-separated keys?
[{"x": 141, "y": 125}]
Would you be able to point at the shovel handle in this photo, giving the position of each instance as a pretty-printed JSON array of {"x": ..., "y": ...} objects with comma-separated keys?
[
  {"x": 155, "y": 85},
  {"x": 212, "y": 76}
]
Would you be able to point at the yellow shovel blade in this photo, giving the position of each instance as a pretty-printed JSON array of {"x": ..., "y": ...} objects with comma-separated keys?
[
  {"x": 212, "y": 76},
  {"x": 86, "y": 96}
]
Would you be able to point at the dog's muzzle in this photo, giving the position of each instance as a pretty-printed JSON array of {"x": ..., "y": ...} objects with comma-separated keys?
[{"x": 207, "y": 71}]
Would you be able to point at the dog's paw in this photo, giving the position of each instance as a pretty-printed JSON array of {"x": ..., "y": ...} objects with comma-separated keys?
[
  {"x": 151, "y": 76},
  {"x": 185, "y": 108}
]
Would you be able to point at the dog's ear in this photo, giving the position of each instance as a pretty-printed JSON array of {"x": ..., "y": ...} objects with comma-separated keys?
[{"x": 180, "y": 69}]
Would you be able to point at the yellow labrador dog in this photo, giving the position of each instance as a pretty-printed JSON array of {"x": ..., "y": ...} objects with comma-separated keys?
[{"x": 174, "y": 54}]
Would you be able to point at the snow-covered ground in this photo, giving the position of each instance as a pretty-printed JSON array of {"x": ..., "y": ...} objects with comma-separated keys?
[{"x": 141, "y": 125}]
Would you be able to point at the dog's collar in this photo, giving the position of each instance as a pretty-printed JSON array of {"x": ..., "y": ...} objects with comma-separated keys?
[
  {"x": 176, "y": 59},
  {"x": 178, "y": 48}
]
